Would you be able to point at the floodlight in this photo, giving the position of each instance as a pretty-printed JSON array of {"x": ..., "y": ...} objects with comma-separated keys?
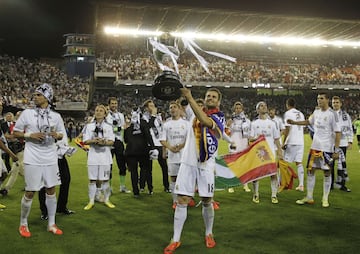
[{"x": 261, "y": 39}]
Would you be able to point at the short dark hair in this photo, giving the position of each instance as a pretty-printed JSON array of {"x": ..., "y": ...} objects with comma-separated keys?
[
  {"x": 214, "y": 89},
  {"x": 336, "y": 98},
  {"x": 326, "y": 95},
  {"x": 112, "y": 99},
  {"x": 290, "y": 102}
]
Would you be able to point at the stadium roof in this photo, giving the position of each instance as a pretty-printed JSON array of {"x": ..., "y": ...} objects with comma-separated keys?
[{"x": 183, "y": 19}]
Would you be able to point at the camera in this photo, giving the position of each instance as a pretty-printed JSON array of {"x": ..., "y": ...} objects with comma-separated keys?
[
  {"x": 117, "y": 129},
  {"x": 115, "y": 122},
  {"x": 98, "y": 130},
  {"x": 184, "y": 102}
]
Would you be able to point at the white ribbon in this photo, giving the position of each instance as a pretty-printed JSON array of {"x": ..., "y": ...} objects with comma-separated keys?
[{"x": 190, "y": 44}]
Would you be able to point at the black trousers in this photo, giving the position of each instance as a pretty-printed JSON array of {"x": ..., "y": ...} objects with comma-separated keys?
[
  {"x": 118, "y": 151},
  {"x": 164, "y": 167},
  {"x": 133, "y": 163},
  {"x": 64, "y": 188}
]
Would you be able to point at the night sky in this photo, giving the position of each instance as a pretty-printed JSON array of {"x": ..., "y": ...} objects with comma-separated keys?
[{"x": 35, "y": 28}]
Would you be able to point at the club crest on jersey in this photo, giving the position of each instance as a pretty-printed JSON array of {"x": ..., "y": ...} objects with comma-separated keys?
[{"x": 263, "y": 154}]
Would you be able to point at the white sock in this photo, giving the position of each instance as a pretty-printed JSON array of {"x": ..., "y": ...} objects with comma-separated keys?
[
  {"x": 256, "y": 187},
  {"x": 274, "y": 186},
  {"x": 310, "y": 186},
  {"x": 92, "y": 191},
  {"x": 25, "y": 210},
  {"x": 208, "y": 216},
  {"x": 50, "y": 202},
  {"x": 326, "y": 187},
  {"x": 172, "y": 188},
  {"x": 180, "y": 216},
  {"x": 300, "y": 170},
  {"x": 106, "y": 190}
]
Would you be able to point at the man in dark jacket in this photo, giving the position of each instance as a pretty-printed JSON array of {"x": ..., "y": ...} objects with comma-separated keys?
[{"x": 138, "y": 147}]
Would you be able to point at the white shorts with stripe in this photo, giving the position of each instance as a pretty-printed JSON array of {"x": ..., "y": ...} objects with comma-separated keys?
[
  {"x": 99, "y": 172},
  {"x": 173, "y": 169},
  {"x": 202, "y": 177},
  {"x": 294, "y": 153},
  {"x": 38, "y": 176}
]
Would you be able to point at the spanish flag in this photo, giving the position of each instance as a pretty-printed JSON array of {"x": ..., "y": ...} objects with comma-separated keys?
[
  {"x": 81, "y": 144},
  {"x": 287, "y": 175},
  {"x": 255, "y": 162}
]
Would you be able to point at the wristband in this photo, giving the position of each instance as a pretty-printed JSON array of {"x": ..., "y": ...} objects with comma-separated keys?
[{"x": 27, "y": 135}]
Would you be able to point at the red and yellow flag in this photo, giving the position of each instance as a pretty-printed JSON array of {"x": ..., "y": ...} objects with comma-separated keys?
[{"x": 255, "y": 162}]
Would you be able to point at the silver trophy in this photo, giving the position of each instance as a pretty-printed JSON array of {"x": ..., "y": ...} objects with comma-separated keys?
[{"x": 166, "y": 53}]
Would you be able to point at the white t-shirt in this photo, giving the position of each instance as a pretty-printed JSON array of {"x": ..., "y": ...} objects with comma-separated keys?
[
  {"x": 325, "y": 123},
  {"x": 120, "y": 122},
  {"x": 296, "y": 132},
  {"x": 99, "y": 155},
  {"x": 267, "y": 128},
  {"x": 240, "y": 131},
  {"x": 36, "y": 152},
  {"x": 175, "y": 132}
]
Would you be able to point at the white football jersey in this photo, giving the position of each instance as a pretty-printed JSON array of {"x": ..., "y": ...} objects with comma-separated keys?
[
  {"x": 36, "y": 152},
  {"x": 99, "y": 155},
  {"x": 175, "y": 132},
  {"x": 296, "y": 132},
  {"x": 240, "y": 131},
  {"x": 325, "y": 123},
  {"x": 267, "y": 128}
]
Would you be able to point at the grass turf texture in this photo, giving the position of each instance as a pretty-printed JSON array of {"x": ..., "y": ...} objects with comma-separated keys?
[{"x": 145, "y": 225}]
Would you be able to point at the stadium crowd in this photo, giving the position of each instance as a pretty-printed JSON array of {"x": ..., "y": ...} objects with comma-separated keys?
[
  {"x": 136, "y": 63},
  {"x": 20, "y": 76}
]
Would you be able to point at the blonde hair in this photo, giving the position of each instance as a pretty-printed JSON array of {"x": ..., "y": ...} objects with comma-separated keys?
[{"x": 103, "y": 107}]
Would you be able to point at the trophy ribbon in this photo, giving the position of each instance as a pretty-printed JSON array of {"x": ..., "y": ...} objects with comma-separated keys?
[{"x": 190, "y": 44}]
